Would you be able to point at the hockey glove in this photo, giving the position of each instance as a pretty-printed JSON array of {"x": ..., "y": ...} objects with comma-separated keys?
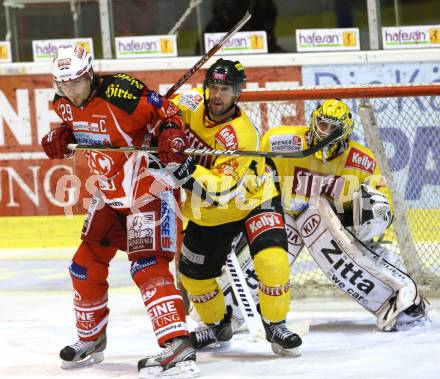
[
  {"x": 172, "y": 143},
  {"x": 55, "y": 142}
]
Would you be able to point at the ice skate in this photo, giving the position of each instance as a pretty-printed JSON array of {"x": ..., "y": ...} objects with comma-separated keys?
[
  {"x": 177, "y": 360},
  {"x": 83, "y": 353},
  {"x": 283, "y": 341},
  {"x": 213, "y": 335}
]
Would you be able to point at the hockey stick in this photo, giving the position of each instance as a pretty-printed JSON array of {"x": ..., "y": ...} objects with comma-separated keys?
[
  {"x": 213, "y": 49},
  {"x": 242, "y": 292},
  {"x": 192, "y": 4},
  {"x": 207, "y": 151}
]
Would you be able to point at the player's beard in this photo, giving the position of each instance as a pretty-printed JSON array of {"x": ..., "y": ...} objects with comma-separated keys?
[{"x": 218, "y": 107}]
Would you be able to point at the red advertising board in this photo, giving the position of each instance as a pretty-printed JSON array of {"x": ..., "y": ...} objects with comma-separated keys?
[{"x": 30, "y": 184}]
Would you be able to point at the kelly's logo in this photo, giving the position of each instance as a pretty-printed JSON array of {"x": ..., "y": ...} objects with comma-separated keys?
[
  {"x": 358, "y": 159},
  {"x": 227, "y": 138},
  {"x": 262, "y": 222}
]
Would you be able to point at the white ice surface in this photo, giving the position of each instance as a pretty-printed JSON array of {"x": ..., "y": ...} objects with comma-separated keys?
[{"x": 36, "y": 320}]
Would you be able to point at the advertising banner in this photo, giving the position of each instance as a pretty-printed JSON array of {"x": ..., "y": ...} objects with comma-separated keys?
[
  {"x": 5, "y": 52},
  {"x": 45, "y": 50},
  {"x": 146, "y": 46},
  {"x": 31, "y": 184},
  {"x": 239, "y": 43},
  {"x": 327, "y": 39},
  {"x": 411, "y": 37}
]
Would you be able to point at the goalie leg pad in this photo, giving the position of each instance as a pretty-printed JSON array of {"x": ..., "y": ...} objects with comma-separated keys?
[
  {"x": 345, "y": 262},
  {"x": 272, "y": 267},
  {"x": 207, "y": 298},
  {"x": 294, "y": 240}
]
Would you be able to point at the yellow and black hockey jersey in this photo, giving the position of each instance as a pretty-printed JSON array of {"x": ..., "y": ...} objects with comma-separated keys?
[
  {"x": 225, "y": 188},
  {"x": 302, "y": 178}
]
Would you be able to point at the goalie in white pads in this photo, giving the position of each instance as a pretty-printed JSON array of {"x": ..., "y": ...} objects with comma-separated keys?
[{"x": 340, "y": 230}]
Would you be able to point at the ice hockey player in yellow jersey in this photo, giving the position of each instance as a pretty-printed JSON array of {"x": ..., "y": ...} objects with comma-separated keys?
[
  {"x": 340, "y": 232},
  {"x": 225, "y": 196}
]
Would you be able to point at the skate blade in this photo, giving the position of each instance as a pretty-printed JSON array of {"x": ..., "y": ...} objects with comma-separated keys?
[
  {"x": 217, "y": 346},
  {"x": 277, "y": 349},
  {"x": 300, "y": 328},
  {"x": 92, "y": 359},
  {"x": 186, "y": 369}
]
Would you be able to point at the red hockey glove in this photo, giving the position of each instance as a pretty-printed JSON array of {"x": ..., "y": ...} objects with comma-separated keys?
[
  {"x": 55, "y": 142},
  {"x": 172, "y": 143}
]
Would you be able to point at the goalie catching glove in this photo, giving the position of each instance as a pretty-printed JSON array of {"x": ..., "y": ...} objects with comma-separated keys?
[{"x": 371, "y": 213}]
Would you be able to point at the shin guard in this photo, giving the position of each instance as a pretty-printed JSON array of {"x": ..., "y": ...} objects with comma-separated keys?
[
  {"x": 162, "y": 299},
  {"x": 207, "y": 298},
  {"x": 272, "y": 268},
  {"x": 89, "y": 271}
]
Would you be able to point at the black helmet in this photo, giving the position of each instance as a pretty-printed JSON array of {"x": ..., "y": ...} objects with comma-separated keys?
[{"x": 226, "y": 72}]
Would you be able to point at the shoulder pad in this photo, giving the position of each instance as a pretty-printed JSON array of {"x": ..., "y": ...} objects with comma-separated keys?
[{"x": 121, "y": 90}]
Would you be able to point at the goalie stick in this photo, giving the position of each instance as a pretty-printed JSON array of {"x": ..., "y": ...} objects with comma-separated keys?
[
  {"x": 245, "y": 301},
  {"x": 207, "y": 151}
]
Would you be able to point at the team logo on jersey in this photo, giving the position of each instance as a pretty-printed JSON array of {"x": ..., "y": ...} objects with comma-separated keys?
[
  {"x": 141, "y": 232},
  {"x": 99, "y": 163},
  {"x": 360, "y": 160},
  {"x": 155, "y": 99},
  {"x": 308, "y": 183},
  {"x": 287, "y": 143},
  {"x": 262, "y": 222},
  {"x": 228, "y": 168},
  {"x": 227, "y": 138}
]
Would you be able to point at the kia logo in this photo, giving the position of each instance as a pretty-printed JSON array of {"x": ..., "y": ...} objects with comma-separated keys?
[
  {"x": 293, "y": 236},
  {"x": 310, "y": 225}
]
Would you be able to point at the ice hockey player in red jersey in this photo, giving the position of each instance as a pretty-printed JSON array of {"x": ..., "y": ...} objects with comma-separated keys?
[{"x": 130, "y": 210}]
